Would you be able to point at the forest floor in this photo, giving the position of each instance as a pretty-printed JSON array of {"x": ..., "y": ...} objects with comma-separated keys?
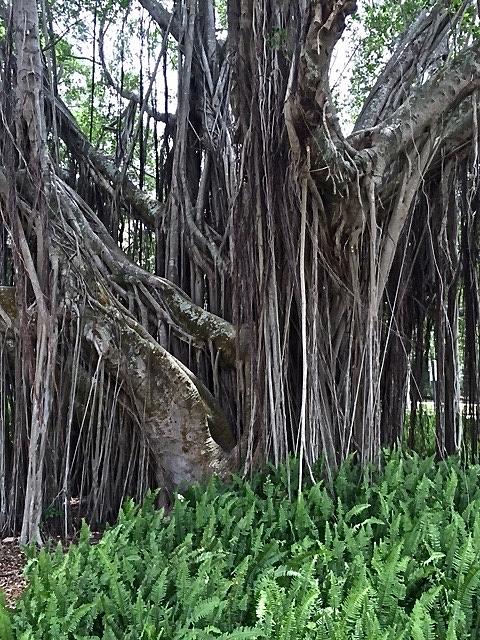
[{"x": 12, "y": 561}]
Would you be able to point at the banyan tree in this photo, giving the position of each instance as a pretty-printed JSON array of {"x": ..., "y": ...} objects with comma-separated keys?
[{"x": 234, "y": 279}]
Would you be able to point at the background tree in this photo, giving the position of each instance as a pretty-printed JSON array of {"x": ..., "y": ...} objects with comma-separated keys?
[{"x": 201, "y": 290}]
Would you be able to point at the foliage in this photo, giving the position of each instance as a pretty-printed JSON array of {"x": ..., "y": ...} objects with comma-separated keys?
[
  {"x": 221, "y": 11},
  {"x": 386, "y": 555}
]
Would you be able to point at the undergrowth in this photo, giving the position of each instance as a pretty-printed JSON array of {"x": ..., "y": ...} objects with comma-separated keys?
[{"x": 394, "y": 555}]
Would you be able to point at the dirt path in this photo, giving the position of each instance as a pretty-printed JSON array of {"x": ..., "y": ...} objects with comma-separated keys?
[{"x": 12, "y": 561}]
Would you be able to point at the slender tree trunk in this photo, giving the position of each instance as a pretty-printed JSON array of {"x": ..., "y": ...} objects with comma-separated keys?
[{"x": 40, "y": 267}]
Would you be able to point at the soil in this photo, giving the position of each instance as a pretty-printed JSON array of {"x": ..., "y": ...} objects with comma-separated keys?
[{"x": 12, "y": 561}]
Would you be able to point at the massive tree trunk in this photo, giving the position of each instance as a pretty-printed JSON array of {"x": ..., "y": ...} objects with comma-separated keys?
[{"x": 296, "y": 268}]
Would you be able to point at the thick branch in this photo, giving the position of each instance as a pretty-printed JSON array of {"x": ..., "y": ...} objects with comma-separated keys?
[
  {"x": 143, "y": 206},
  {"x": 417, "y": 49},
  {"x": 190, "y": 318},
  {"x": 162, "y": 16},
  {"x": 427, "y": 106}
]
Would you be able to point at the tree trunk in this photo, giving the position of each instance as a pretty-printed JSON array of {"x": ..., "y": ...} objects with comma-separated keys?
[{"x": 36, "y": 264}]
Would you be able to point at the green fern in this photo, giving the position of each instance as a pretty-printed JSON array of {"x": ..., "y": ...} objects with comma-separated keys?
[{"x": 383, "y": 555}]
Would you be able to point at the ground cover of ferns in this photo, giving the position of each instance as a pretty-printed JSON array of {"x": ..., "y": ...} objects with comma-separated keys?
[{"x": 389, "y": 556}]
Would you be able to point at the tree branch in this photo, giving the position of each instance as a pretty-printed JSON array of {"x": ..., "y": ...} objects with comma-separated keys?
[
  {"x": 162, "y": 17},
  {"x": 131, "y": 96},
  {"x": 192, "y": 320},
  {"x": 144, "y": 207},
  {"x": 189, "y": 317},
  {"x": 416, "y": 50},
  {"x": 426, "y": 107}
]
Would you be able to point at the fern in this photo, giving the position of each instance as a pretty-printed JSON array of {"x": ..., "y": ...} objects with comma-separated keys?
[{"x": 383, "y": 555}]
